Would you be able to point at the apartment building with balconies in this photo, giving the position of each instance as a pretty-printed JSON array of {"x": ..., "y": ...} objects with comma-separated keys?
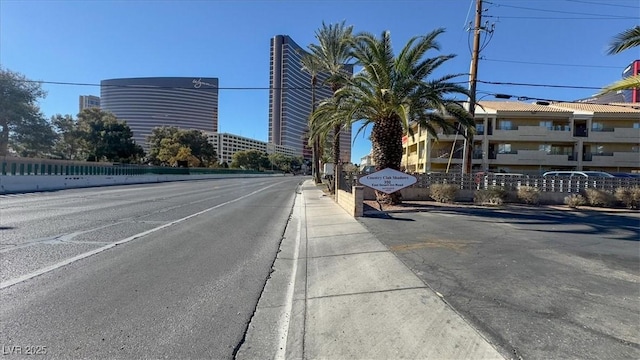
[{"x": 534, "y": 138}]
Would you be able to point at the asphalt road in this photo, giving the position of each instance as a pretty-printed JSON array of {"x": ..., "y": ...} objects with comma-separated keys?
[
  {"x": 540, "y": 283},
  {"x": 182, "y": 283}
]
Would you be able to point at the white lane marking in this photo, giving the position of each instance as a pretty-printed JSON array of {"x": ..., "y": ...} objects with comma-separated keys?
[
  {"x": 285, "y": 317},
  {"x": 60, "y": 264}
]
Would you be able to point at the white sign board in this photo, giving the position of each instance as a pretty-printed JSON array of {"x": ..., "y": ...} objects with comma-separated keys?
[{"x": 388, "y": 180}]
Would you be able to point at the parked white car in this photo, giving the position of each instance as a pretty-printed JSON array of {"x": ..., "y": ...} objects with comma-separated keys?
[{"x": 583, "y": 174}]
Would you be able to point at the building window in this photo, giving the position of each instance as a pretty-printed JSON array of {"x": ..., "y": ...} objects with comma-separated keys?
[
  {"x": 504, "y": 148},
  {"x": 505, "y": 125},
  {"x": 545, "y": 147},
  {"x": 636, "y": 125},
  {"x": 596, "y": 126},
  {"x": 546, "y": 124}
]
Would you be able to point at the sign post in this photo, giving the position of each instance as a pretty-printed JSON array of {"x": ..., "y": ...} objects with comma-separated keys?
[{"x": 388, "y": 180}]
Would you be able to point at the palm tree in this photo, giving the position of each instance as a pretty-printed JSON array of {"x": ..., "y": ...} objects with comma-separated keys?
[
  {"x": 625, "y": 40},
  {"x": 332, "y": 53},
  {"x": 311, "y": 65},
  {"x": 391, "y": 92}
]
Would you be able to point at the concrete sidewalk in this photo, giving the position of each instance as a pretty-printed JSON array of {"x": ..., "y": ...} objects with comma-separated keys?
[{"x": 337, "y": 293}]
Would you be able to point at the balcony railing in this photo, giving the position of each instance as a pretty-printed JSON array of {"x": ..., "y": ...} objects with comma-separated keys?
[
  {"x": 532, "y": 157},
  {"x": 618, "y": 134},
  {"x": 616, "y": 158}
]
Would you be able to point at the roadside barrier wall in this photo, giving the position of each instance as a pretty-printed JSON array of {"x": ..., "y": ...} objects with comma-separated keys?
[
  {"x": 19, "y": 174},
  {"x": 30, "y": 183}
]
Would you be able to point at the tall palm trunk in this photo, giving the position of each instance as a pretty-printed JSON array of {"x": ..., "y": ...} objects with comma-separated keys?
[
  {"x": 316, "y": 160},
  {"x": 337, "y": 164},
  {"x": 386, "y": 139},
  {"x": 315, "y": 151},
  {"x": 336, "y": 144}
]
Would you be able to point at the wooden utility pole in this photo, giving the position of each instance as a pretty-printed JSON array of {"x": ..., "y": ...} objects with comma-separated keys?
[{"x": 467, "y": 152}]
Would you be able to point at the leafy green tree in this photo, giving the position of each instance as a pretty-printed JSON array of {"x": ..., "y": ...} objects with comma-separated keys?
[
  {"x": 393, "y": 91},
  {"x": 295, "y": 162},
  {"x": 184, "y": 155},
  {"x": 280, "y": 162},
  {"x": 19, "y": 112},
  {"x": 160, "y": 138},
  {"x": 625, "y": 40},
  {"x": 167, "y": 151},
  {"x": 199, "y": 145},
  {"x": 250, "y": 159},
  {"x": 285, "y": 163},
  {"x": 165, "y": 142},
  {"x": 68, "y": 142},
  {"x": 104, "y": 137},
  {"x": 33, "y": 138},
  {"x": 117, "y": 143}
]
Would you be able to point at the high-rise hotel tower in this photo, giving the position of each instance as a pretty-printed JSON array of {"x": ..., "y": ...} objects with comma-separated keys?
[{"x": 290, "y": 99}]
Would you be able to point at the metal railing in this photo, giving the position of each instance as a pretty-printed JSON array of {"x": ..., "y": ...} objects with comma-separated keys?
[{"x": 561, "y": 184}]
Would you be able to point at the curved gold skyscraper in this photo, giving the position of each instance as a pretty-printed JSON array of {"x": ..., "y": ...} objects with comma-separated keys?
[{"x": 146, "y": 103}]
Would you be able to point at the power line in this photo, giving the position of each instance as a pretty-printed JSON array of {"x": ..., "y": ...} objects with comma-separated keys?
[
  {"x": 561, "y": 18},
  {"x": 603, "y": 4},
  {"x": 292, "y": 88},
  {"x": 551, "y": 101},
  {"x": 552, "y": 64},
  {"x": 554, "y": 11},
  {"x": 139, "y": 86},
  {"x": 540, "y": 85}
]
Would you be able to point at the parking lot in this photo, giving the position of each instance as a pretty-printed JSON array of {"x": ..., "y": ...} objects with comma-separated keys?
[{"x": 540, "y": 282}]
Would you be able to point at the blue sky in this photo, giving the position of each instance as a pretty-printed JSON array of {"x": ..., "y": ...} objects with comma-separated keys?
[{"x": 547, "y": 42}]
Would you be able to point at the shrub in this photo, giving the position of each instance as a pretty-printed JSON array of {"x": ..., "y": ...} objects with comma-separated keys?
[
  {"x": 575, "y": 200},
  {"x": 529, "y": 195},
  {"x": 444, "y": 193},
  {"x": 494, "y": 195},
  {"x": 630, "y": 197},
  {"x": 600, "y": 198}
]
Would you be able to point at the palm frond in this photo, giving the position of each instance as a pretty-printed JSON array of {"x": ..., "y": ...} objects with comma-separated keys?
[
  {"x": 625, "y": 40},
  {"x": 632, "y": 82}
]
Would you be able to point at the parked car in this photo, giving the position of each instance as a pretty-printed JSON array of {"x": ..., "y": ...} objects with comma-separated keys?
[
  {"x": 626, "y": 175},
  {"x": 484, "y": 175},
  {"x": 368, "y": 169},
  {"x": 581, "y": 174}
]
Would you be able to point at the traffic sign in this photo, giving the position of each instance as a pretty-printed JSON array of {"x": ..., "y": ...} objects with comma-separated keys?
[{"x": 388, "y": 180}]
